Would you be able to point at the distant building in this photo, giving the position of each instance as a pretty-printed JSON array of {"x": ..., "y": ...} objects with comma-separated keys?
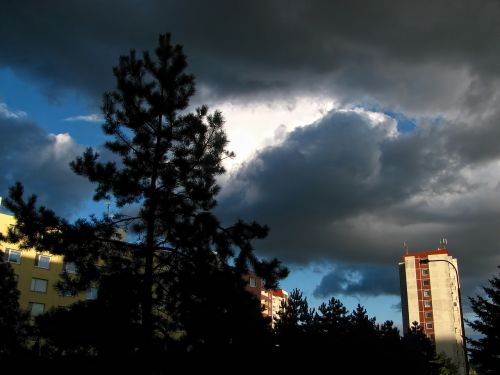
[
  {"x": 279, "y": 297},
  {"x": 37, "y": 273},
  {"x": 430, "y": 296},
  {"x": 270, "y": 300}
]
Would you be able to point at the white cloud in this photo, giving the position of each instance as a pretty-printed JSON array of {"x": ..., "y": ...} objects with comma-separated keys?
[
  {"x": 61, "y": 146},
  {"x": 5, "y": 112},
  {"x": 85, "y": 118},
  {"x": 41, "y": 162},
  {"x": 251, "y": 127}
]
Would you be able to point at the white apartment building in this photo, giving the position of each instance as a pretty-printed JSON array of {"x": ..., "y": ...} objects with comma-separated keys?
[{"x": 430, "y": 295}]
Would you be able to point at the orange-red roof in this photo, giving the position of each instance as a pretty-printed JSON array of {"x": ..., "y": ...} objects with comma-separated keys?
[{"x": 425, "y": 254}]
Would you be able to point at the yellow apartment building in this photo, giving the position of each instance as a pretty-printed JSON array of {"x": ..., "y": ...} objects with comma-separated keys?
[{"x": 37, "y": 273}]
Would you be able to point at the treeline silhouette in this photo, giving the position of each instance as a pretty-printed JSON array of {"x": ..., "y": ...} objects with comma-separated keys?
[
  {"x": 352, "y": 342},
  {"x": 104, "y": 333},
  {"x": 170, "y": 275}
]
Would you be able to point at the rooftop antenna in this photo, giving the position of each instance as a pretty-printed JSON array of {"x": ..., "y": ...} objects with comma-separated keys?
[
  {"x": 405, "y": 247},
  {"x": 443, "y": 243}
]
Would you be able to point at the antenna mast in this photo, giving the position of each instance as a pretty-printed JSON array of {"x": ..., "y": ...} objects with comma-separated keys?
[{"x": 445, "y": 243}]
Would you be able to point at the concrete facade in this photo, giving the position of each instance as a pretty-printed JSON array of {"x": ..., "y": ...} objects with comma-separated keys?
[
  {"x": 37, "y": 273},
  {"x": 270, "y": 300},
  {"x": 430, "y": 296}
]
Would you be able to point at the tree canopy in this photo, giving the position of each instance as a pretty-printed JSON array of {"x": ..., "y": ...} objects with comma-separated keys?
[
  {"x": 169, "y": 274},
  {"x": 164, "y": 256},
  {"x": 485, "y": 351},
  {"x": 13, "y": 321},
  {"x": 353, "y": 342}
]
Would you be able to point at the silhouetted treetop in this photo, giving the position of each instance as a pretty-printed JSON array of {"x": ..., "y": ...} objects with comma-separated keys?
[
  {"x": 169, "y": 246},
  {"x": 485, "y": 351}
]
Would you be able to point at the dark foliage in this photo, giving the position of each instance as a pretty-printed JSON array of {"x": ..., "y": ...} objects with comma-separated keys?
[
  {"x": 444, "y": 365},
  {"x": 418, "y": 351},
  {"x": 351, "y": 343},
  {"x": 292, "y": 329},
  {"x": 169, "y": 275},
  {"x": 14, "y": 328},
  {"x": 485, "y": 351}
]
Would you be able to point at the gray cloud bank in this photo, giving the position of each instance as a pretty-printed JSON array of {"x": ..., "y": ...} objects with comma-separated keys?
[
  {"x": 421, "y": 57},
  {"x": 347, "y": 189},
  {"x": 351, "y": 188},
  {"x": 41, "y": 162}
]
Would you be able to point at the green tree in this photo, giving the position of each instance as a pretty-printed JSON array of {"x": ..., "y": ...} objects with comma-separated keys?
[
  {"x": 167, "y": 161},
  {"x": 389, "y": 347},
  {"x": 332, "y": 318},
  {"x": 362, "y": 338},
  {"x": 13, "y": 321},
  {"x": 444, "y": 365},
  {"x": 485, "y": 351},
  {"x": 331, "y": 332},
  {"x": 361, "y": 323},
  {"x": 388, "y": 331},
  {"x": 418, "y": 351},
  {"x": 293, "y": 327}
]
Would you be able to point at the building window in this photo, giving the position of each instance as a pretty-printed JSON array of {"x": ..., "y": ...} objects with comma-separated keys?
[
  {"x": 427, "y": 293},
  {"x": 253, "y": 282},
  {"x": 425, "y": 272},
  {"x": 36, "y": 308},
  {"x": 429, "y": 325},
  {"x": 427, "y": 303},
  {"x": 91, "y": 294},
  {"x": 69, "y": 267},
  {"x": 42, "y": 261},
  {"x": 39, "y": 285},
  {"x": 428, "y": 314},
  {"x": 426, "y": 282},
  {"x": 13, "y": 256}
]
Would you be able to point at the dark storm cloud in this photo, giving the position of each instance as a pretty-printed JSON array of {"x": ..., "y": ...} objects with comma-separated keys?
[
  {"x": 351, "y": 188},
  {"x": 41, "y": 162},
  {"x": 404, "y": 54},
  {"x": 343, "y": 189},
  {"x": 359, "y": 280}
]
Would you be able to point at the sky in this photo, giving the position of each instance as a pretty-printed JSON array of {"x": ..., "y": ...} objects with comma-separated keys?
[{"x": 357, "y": 125}]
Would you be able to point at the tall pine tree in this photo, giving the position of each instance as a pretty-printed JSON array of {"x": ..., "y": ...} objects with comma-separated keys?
[
  {"x": 332, "y": 319},
  {"x": 485, "y": 351},
  {"x": 167, "y": 161},
  {"x": 293, "y": 327}
]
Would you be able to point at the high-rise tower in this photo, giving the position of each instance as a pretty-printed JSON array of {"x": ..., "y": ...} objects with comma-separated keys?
[{"x": 430, "y": 295}]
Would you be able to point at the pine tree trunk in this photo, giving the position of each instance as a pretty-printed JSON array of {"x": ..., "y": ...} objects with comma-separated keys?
[
  {"x": 147, "y": 298},
  {"x": 147, "y": 304}
]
